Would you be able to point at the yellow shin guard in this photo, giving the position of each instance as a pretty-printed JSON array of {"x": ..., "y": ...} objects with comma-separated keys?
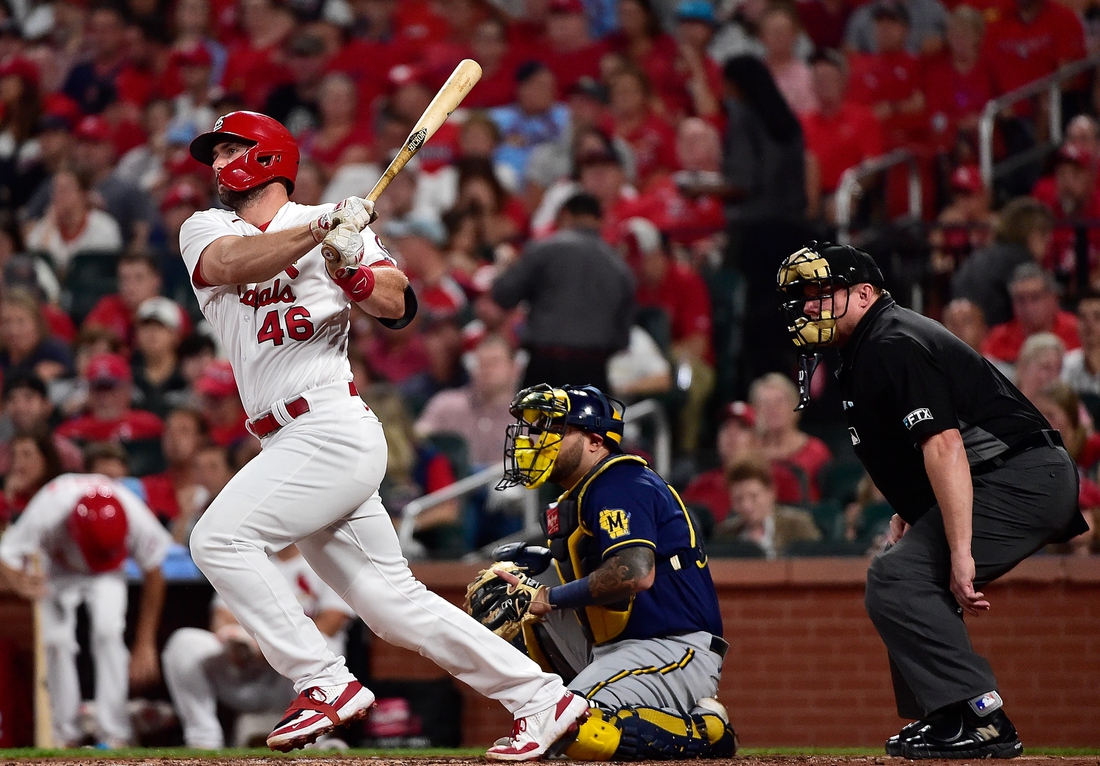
[{"x": 597, "y": 738}]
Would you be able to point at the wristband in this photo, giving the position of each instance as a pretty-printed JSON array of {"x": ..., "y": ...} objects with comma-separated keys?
[
  {"x": 358, "y": 285},
  {"x": 573, "y": 595}
]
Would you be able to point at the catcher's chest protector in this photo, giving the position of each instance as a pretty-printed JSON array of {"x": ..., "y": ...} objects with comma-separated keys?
[{"x": 576, "y": 552}]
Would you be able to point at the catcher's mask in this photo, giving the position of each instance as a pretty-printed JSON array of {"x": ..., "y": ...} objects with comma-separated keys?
[
  {"x": 810, "y": 278},
  {"x": 542, "y": 414}
]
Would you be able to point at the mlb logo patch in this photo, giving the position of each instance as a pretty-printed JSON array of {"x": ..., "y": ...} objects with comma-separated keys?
[
  {"x": 553, "y": 525},
  {"x": 916, "y": 416},
  {"x": 986, "y": 703}
]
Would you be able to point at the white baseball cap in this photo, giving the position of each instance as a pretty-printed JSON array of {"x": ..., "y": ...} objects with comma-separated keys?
[{"x": 163, "y": 310}]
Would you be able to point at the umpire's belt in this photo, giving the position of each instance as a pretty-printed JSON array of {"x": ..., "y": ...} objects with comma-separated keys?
[
  {"x": 1045, "y": 438},
  {"x": 294, "y": 408}
]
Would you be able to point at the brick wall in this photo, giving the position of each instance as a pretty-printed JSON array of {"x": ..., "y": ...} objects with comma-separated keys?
[{"x": 806, "y": 668}]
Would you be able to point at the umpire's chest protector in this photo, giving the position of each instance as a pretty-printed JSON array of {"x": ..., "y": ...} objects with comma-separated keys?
[{"x": 577, "y": 552}]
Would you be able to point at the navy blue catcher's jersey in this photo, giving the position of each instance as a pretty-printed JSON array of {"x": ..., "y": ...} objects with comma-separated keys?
[{"x": 629, "y": 505}]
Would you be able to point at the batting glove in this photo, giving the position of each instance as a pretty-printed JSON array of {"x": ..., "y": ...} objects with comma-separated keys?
[
  {"x": 342, "y": 248},
  {"x": 353, "y": 210}
]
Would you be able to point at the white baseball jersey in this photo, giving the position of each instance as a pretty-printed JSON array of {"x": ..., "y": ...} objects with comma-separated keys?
[
  {"x": 284, "y": 336},
  {"x": 44, "y": 527},
  {"x": 312, "y": 593}
]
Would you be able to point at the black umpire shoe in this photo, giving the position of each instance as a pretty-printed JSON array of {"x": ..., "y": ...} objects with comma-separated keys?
[
  {"x": 963, "y": 735},
  {"x": 893, "y": 745}
]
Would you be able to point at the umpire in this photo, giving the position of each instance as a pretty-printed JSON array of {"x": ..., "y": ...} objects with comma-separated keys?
[{"x": 977, "y": 478}]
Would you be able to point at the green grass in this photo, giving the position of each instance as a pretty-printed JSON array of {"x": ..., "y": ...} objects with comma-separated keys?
[{"x": 183, "y": 752}]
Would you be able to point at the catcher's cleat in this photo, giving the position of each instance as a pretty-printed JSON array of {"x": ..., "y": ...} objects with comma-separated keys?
[
  {"x": 962, "y": 735},
  {"x": 316, "y": 712},
  {"x": 893, "y": 745},
  {"x": 533, "y": 734}
]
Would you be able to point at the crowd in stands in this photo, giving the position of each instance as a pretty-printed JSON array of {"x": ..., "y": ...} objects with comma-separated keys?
[{"x": 609, "y": 206}]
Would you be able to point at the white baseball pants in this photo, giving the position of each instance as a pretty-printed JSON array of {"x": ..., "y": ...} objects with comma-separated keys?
[
  {"x": 316, "y": 484},
  {"x": 105, "y": 598}
]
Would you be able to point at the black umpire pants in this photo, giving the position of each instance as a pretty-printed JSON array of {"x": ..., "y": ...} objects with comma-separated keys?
[{"x": 1018, "y": 508}]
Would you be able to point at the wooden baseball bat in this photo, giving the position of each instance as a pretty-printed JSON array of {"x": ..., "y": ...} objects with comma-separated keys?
[
  {"x": 43, "y": 716},
  {"x": 461, "y": 81}
]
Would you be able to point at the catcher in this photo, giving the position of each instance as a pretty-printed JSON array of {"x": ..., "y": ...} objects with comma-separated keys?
[{"x": 634, "y": 626}]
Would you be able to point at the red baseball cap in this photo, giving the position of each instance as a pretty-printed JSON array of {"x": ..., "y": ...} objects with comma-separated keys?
[
  {"x": 195, "y": 54},
  {"x": 217, "y": 380},
  {"x": 741, "y": 411},
  {"x": 21, "y": 67},
  {"x": 93, "y": 128},
  {"x": 566, "y": 6},
  {"x": 181, "y": 193},
  {"x": 107, "y": 370},
  {"x": 967, "y": 178},
  {"x": 1078, "y": 155}
]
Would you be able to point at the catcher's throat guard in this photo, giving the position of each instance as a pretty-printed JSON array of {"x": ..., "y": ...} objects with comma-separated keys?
[{"x": 542, "y": 415}]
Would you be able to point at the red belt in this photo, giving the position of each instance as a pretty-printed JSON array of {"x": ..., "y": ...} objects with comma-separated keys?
[{"x": 297, "y": 407}]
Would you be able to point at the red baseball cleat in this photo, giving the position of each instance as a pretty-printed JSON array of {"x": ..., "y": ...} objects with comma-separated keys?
[
  {"x": 317, "y": 711},
  {"x": 532, "y": 735}
]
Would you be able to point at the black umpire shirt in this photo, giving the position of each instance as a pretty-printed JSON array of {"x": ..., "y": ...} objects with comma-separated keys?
[{"x": 904, "y": 377}]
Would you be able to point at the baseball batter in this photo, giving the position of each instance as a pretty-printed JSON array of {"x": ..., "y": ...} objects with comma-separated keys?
[
  {"x": 276, "y": 280},
  {"x": 224, "y": 664},
  {"x": 86, "y": 525}
]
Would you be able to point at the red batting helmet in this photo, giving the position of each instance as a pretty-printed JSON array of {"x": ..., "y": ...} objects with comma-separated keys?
[
  {"x": 98, "y": 526},
  {"x": 272, "y": 151}
]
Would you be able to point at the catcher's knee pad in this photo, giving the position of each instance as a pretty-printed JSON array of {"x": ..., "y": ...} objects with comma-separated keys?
[
  {"x": 597, "y": 738},
  {"x": 651, "y": 734},
  {"x": 721, "y": 738}
]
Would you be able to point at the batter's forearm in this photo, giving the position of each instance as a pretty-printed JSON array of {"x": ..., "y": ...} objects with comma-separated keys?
[
  {"x": 235, "y": 260},
  {"x": 949, "y": 474},
  {"x": 152, "y": 603},
  {"x": 387, "y": 300}
]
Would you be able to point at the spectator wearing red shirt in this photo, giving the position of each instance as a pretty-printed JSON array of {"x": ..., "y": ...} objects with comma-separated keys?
[
  {"x": 109, "y": 416},
  {"x": 700, "y": 89},
  {"x": 341, "y": 138},
  {"x": 1034, "y": 309},
  {"x": 376, "y": 45},
  {"x": 687, "y": 206},
  {"x": 184, "y": 433},
  {"x": 774, "y": 397},
  {"x": 966, "y": 224},
  {"x": 221, "y": 405},
  {"x": 888, "y": 81},
  {"x": 94, "y": 83},
  {"x": 643, "y": 44},
  {"x": 1073, "y": 196},
  {"x": 255, "y": 65},
  {"x": 139, "y": 279},
  {"x": 489, "y": 47},
  {"x": 737, "y": 441},
  {"x": 569, "y": 50},
  {"x": 34, "y": 463},
  {"x": 958, "y": 83},
  {"x": 840, "y": 135},
  {"x": 631, "y": 118},
  {"x": 417, "y": 241},
  {"x": 1029, "y": 39},
  {"x": 679, "y": 292},
  {"x": 27, "y": 409}
]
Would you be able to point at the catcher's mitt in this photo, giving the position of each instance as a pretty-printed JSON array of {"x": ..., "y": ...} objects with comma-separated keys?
[{"x": 499, "y": 606}]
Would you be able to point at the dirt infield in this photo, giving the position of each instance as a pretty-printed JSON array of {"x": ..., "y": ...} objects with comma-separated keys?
[{"x": 752, "y": 760}]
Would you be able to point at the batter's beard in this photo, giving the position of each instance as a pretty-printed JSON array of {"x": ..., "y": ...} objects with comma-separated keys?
[{"x": 238, "y": 201}]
